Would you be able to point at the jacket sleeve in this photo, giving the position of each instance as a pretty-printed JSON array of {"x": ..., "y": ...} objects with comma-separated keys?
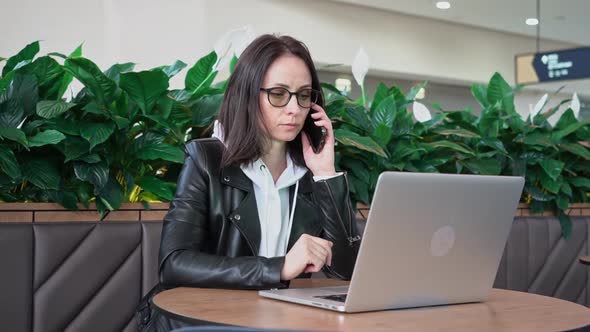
[
  {"x": 339, "y": 225},
  {"x": 182, "y": 261}
]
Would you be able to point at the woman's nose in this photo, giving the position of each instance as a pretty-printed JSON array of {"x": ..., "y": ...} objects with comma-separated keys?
[{"x": 292, "y": 106}]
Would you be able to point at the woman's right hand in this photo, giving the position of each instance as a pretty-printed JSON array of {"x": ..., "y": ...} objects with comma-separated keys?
[{"x": 308, "y": 254}]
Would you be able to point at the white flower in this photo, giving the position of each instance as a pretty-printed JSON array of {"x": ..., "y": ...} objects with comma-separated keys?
[
  {"x": 360, "y": 66},
  {"x": 232, "y": 42},
  {"x": 575, "y": 105},
  {"x": 421, "y": 112},
  {"x": 539, "y": 106}
]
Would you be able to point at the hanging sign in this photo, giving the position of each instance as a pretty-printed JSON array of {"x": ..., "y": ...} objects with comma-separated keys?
[{"x": 552, "y": 66}]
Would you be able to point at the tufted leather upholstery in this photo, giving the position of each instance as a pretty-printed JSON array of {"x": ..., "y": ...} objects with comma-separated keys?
[
  {"x": 538, "y": 259},
  {"x": 90, "y": 276},
  {"x": 75, "y": 276}
]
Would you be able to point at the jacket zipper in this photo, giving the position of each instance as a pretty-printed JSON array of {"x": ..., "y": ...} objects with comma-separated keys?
[
  {"x": 351, "y": 240},
  {"x": 352, "y": 218}
]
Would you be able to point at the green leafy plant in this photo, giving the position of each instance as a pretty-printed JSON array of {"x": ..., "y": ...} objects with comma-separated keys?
[
  {"x": 118, "y": 140},
  {"x": 385, "y": 136}
]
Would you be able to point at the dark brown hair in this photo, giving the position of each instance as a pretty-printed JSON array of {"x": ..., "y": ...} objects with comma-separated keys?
[{"x": 240, "y": 113}]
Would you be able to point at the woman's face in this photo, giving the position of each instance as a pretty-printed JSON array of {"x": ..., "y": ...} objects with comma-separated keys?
[{"x": 284, "y": 123}]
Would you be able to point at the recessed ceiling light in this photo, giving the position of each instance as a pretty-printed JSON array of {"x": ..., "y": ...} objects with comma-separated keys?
[
  {"x": 443, "y": 5},
  {"x": 532, "y": 21}
]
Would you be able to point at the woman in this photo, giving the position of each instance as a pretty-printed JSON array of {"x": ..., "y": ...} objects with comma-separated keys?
[{"x": 255, "y": 205}]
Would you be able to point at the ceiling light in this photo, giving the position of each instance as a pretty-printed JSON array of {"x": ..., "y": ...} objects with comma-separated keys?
[
  {"x": 532, "y": 21},
  {"x": 443, "y": 5}
]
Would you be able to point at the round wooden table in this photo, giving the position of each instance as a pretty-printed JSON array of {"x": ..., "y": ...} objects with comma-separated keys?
[
  {"x": 585, "y": 260},
  {"x": 504, "y": 311}
]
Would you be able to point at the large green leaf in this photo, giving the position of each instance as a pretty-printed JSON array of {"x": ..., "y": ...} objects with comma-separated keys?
[
  {"x": 500, "y": 92},
  {"x": 97, "y": 83},
  {"x": 46, "y": 137},
  {"x": 27, "y": 53},
  {"x": 361, "y": 189},
  {"x": 67, "y": 77},
  {"x": 495, "y": 143},
  {"x": 350, "y": 138},
  {"x": 201, "y": 74},
  {"x": 331, "y": 88},
  {"x": 381, "y": 93},
  {"x": 205, "y": 110},
  {"x": 11, "y": 113},
  {"x": 580, "y": 182},
  {"x": 489, "y": 124},
  {"x": 358, "y": 168},
  {"x": 357, "y": 116},
  {"x": 537, "y": 194},
  {"x": 96, "y": 132},
  {"x": 161, "y": 151},
  {"x": 145, "y": 88},
  {"x": 42, "y": 173},
  {"x": 111, "y": 194},
  {"x": 550, "y": 184},
  {"x": 6, "y": 80},
  {"x": 75, "y": 147},
  {"x": 577, "y": 149},
  {"x": 156, "y": 186},
  {"x": 457, "y": 132},
  {"x": 566, "y": 189},
  {"x": 450, "y": 145},
  {"x": 64, "y": 125},
  {"x": 45, "y": 69},
  {"x": 405, "y": 150},
  {"x": 566, "y": 120},
  {"x": 537, "y": 138},
  {"x": 114, "y": 72},
  {"x": 385, "y": 112},
  {"x": 52, "y": 108},
  {"x": 14, "y": 134},
  {"x": 174, "y": 68},
  {"x": 95, "y": 173},
  {"x": 560, "y": 134},
  {"x": 552, "y": 167},
  {"x": 66, "y": 198},
  {"x": 382, "y": 134},
  {"x": 480, "y": 93},
  {"x": 483, "y": 166},
  {"x": 8, "y": 162},
  {"x": 24, "y": 90}
]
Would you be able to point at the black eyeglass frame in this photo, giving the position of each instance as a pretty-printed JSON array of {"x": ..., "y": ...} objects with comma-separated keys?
[{"x": 314, "y": 92}]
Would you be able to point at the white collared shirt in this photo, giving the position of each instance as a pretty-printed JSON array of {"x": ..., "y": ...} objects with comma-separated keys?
[{"x": 272, "y": 201}]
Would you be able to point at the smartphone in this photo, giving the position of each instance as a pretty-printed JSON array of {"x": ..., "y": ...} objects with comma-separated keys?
[{"x": 317, "y": 135}]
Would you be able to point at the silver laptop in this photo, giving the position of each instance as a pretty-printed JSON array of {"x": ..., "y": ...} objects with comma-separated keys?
[{"x": 430, "y": 239}]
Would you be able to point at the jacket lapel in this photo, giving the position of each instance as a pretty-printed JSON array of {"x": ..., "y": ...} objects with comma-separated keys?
[
  {"x": 307, "y": 218},
  {"x": 245, "y": 216}
]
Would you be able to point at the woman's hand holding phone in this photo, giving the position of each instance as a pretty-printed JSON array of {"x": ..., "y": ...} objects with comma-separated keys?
[{"x": 322, "y": 162}]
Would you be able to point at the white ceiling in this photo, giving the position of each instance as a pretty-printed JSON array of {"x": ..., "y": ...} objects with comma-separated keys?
[
  {"x": 561, "y": 20},
  {"x": 564, "y": 20}
]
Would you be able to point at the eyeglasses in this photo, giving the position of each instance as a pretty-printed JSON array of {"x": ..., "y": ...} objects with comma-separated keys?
[{"x": 279, "y": 97}]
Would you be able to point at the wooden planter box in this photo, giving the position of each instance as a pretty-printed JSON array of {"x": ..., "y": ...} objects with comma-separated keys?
[
  {"x": 52, "y": 212},
  {"x": 523, "y": 210}
]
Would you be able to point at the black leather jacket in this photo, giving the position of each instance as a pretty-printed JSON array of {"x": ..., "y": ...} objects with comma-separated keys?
[{"x": 211, "y": 234}]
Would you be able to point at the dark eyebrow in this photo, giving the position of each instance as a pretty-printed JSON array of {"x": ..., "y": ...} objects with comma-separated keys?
[{"x": 306, "y": 86}]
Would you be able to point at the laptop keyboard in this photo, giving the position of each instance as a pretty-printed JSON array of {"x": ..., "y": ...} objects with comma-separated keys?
[{"x": 335, "y": 297}]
